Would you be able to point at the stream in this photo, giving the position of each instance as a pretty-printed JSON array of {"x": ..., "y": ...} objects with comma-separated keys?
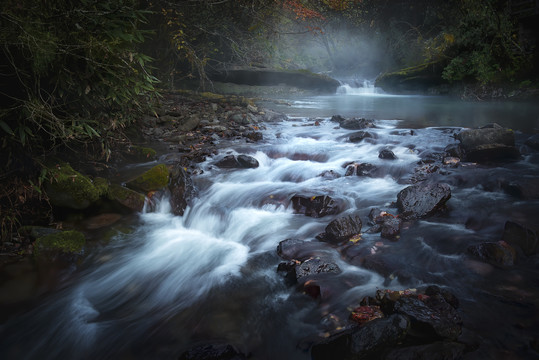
[{"x": 169, "y": 282}]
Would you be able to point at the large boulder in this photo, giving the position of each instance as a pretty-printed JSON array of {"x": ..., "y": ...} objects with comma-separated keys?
[
  {"x": 360, "y": 136},
  {"x": 422, "y": 200},
  {"x": 316, "y": 206},
  {"x": 490, "y": 143},
  {"x": 432, "y": 317},
  {"x": 153, "y": 179},
  {"x": 182, "y": 189},
  {"x": 69, "y": 188},
  {"x": 342, "y": 229}
]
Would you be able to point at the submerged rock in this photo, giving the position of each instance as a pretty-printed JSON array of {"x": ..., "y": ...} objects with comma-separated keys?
[
  {"x": 422, "y": 200},
  {"x": 316, "y": 206},
  {"x": 496, "y": 253},
  {"x": 360, "y": 136},
  {"x": 533, "y": 142},
  {"x": 290, "y": 248},
  {"x": 213, "y": 352},
  {"x": 526, "y": 239},
  {"x": 523, "y": 188}
]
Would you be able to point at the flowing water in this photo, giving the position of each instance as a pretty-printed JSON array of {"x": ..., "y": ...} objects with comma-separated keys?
[{"x": 210, "y": 275}]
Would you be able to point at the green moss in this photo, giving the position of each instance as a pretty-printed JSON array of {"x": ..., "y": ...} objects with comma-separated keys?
[
  {"x": 102, "y": 186},
  {"x": 127, "y": 197},
  {"x": 154, "y": 179},
  {"x": 69, "y": 188},
  {"x": 68, "y": 242},
  {"x": 143, "y": 153}
]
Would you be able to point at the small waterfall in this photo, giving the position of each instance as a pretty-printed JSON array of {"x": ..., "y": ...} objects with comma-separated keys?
[{"x": 358, "y": 87}]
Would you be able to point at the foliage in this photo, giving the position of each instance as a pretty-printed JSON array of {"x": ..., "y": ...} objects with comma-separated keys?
[
  {"x": 71, "y": 70},
  {"x": 485, "y": 47}
]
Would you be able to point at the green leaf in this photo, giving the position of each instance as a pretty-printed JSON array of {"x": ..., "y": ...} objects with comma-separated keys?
[{"x": 6, "y": 127}]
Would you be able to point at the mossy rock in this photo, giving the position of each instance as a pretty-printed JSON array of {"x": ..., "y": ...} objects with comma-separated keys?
[
  {"x": 102, "y": 186},
  {"x": 64, "y": 242},
  {"x": 127, "y": 197},
  {"x": 303, "y": 79},
  {"x": 417, "y": 78},
  {"x": 140, "y": 153},
  {"x": 69, "y": 188},
  {"x": 154, "y": 179}
]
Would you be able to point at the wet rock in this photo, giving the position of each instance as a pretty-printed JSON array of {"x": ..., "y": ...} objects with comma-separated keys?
[
  {"x": 69, "y": 188},
  {"x": 273, "y": 116},
  {"x": 448, "y": 296},
  {"x": 153, "y": 179},
  {"x": 127, "y": 197},
  {"x": 376, "y": 216},
  {"x": 496, "y": 253},
  {"x": 391, "y": 227},
  {"x": 453, "y": 150},
  {"x": 365, "y": 313},
  {"x": 182, "y": 189},
  {"x": 422, "y": 200},
  {"x": 533, "y": 142},
  {"x": 316, "y": 206},
  {"x": 360, "y": 136},
  {"x": 290, "y": 248},
  {"x": 518, "y": 235},
  {"x": 253, "y": 136},
  {"x": 439, "y": 350},
  {"x": 451, "y": 161},
  {"x": 363, "y": 169},
  {"x": 287, "y": 270},
  {"x": 343, "y": 228},
  {"x": 488, "y": 144},
  {"x": 352, "y": 123},
  {"x": 431, "y": 318},
  {"x": 387, "y": 154},
  {"x": 213, "y": 352},
  {"x": 363, "y": 342},
  {"x": 237, "y": 162},
  {"x": 315, "y": 266}
]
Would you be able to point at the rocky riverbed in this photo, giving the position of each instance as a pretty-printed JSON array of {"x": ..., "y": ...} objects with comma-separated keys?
[{"x": 420, "y": 309}]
